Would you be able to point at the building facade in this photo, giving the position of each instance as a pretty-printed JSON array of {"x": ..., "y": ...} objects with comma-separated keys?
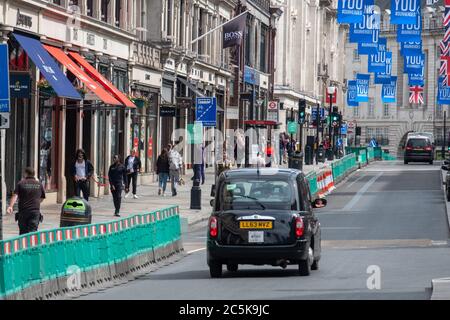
[
  {"x": 47, "y": 128},
  {"x": 390, "y": 123},
  {"x": 310, "y": 51}
]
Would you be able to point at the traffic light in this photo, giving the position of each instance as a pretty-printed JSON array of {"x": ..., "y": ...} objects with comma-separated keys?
[
  {"x": 335, "y": 119},
  {"x": 301, "y": 111}
]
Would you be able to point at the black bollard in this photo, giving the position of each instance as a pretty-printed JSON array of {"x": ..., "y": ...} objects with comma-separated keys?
[{"x": 196, "y": 196}]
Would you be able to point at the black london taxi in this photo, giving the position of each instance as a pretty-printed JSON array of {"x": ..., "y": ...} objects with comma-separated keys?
[{"x": 263, "y": 217}]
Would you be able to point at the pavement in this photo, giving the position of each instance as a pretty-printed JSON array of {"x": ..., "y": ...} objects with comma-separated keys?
[
  {"x": 441, "y": 286},
  {"x": 103, "y": 208},
  {"x": 384, "y": 236}
]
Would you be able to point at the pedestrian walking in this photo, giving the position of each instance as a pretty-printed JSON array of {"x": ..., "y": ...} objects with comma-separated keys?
[
  {"x": 199, "y": 165},
  {"x": 133, "y": 164},
  {"x": 163, "y": 170},
  {"x": 82, "y": 171},
  {"x": 30, "y": 193},
  {"x": 175, "y": 162},
  {"x": 118, "y": 178}
]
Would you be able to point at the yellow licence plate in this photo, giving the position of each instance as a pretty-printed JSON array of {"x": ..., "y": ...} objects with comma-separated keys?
[{"x": 256, "y": 224}]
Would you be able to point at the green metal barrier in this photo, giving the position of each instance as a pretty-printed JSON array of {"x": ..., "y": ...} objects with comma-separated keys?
[
  {"x": 388, "y": 157},
  {"x": 370, "y": 154},
  {"x": 312, "y": 178},
  {"x": 45, "y": 255}
]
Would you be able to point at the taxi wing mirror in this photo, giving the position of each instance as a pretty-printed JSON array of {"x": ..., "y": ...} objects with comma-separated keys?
[{"x": 319, "y": 203}]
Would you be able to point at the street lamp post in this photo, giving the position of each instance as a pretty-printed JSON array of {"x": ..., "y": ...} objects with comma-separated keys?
[{"x": 330, "y": 156}]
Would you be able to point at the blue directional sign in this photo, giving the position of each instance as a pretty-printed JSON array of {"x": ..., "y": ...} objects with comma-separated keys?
[
  {"x": 344, "y": 129},
  {"x": 206, "y": 111},
  {"x": 4, "y": 79}
]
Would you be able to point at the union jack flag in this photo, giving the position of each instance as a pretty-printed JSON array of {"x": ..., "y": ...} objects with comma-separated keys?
[
  {"x": 444, "y": 45},
  {"x": 416, "y": 95}
]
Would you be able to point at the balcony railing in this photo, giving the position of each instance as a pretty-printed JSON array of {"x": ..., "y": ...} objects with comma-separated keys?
[{"x": 431, "y": 25}]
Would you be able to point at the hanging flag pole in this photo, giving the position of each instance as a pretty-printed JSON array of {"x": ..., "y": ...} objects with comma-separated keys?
[{"x": 210, "y": 31}]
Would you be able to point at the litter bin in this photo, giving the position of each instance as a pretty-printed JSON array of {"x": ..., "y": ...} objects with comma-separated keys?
[
  {"x": 75, "y": 212},
  {"x": 296, "y": 161}
]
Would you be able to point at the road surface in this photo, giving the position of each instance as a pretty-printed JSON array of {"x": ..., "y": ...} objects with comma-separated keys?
[{"x": 387, "y": 217}]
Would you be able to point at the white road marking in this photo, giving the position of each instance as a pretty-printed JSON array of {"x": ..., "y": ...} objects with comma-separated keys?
[
  {"x": 356, "y": 180},
  {"x": 196, "y": 250},
  {"x": 341, "y": 228},
  {"x": 360, "y": 193}
]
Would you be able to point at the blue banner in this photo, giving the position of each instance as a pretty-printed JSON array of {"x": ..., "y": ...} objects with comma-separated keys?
[
  {"x": 443, "y": 95},
  {"x": 372, "y": 47},
  {"x": 377, "y": 62},
  {"x": 368, "y": 30},
  {"x": 404, "y": 11},
  {"x": 362, "y": 87},
  {"x": 410, "y": 48},
  {"x": 410, "y": 32},
  {"x": 413, "y": 64},
  {"x": 4, "y": 79},
  {"x": 385, "y": 76},
  {"x": 352, "y": 11},
  {"x": 389, "y": 91},
  {"x": 416, "y": 79},
  {"x": 351, "y": 94}
]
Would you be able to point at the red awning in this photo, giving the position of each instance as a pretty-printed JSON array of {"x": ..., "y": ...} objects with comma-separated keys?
[
  {"x": 83, "y": 77},
  {"x": 90, "y": 70}
]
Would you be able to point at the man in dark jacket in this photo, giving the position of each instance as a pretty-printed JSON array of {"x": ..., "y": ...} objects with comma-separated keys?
[
  {"x": 82, "y": 171},
  {"x": 30, "y": 193},
  {"x": 117, "y": 176},
  {"x": 133, "y": 166}
]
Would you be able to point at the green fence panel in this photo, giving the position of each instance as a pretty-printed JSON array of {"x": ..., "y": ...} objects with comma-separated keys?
[{"x": 44, "y": 255}]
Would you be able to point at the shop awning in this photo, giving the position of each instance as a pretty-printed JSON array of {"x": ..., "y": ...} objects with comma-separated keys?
[
  {"x": 48, "y": 67},
  {"x": 90, "y": 70},
  {"x": 192, "y": 87},
  {"x": 83, "y": 77}
]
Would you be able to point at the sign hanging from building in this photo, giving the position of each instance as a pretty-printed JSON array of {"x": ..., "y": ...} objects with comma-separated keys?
[
  {"x": 410, "y": 48},
  {"x": 365, "y": 48},
  {"x": 443, "y": 95},
  {"x": 4, "y": 79},
  {"x": 414, "y": 64},
  {"x": 404, "y": 11},
  {"x": 377, "y": 62},
  {"x": 369, "y": 29},
  {"x": 351, "y": 11},
  {"x": 206, "y": 111},
  {"x": 351, "y": 94},
  {"x": 167, "y": 112},
  {"x": 362, "y": 87},
  {"x": 20, "y": 85},
  {"x": 410, "y": 32},
  {"x": 233, "y": 32},
  {"x": 389, "y": 91},
  {"x": 385, "y": 76}
]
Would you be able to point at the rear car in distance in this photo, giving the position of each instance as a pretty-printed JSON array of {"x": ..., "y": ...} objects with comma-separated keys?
[
  {"x": 418, "y": 149},
  {"x": 263, "y": 217}
]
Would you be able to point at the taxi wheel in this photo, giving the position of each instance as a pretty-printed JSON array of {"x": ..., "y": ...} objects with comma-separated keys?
[
  {"x": 304, "y": 266},
  {"x": 448, "y": 195},
  {"x": 232, "y": 267},
  {"x": 215, "y": 269}
]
